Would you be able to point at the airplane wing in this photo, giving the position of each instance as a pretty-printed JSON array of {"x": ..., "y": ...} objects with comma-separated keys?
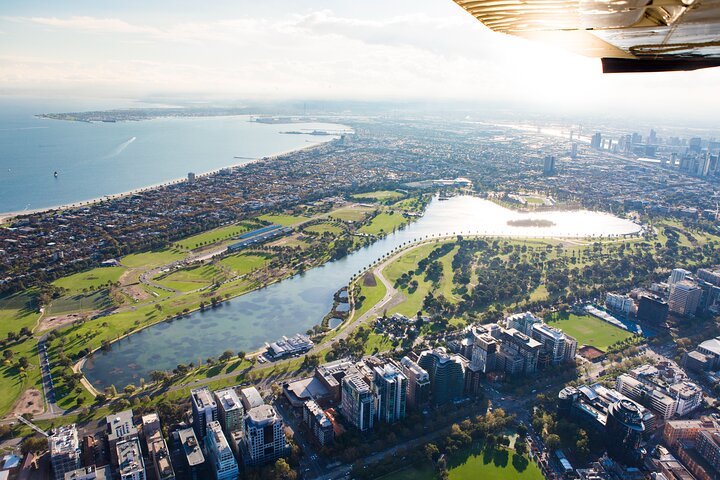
[{"x": 628, "y": 35}]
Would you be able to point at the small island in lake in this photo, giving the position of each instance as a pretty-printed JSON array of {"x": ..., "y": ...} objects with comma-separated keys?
[{"x": 529, "y": 222}]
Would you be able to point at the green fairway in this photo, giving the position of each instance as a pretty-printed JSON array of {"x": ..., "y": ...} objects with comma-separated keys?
[
  {"x": 588, "y": 330},
  {"x": 351, "y": 214},
  {"x": 17, "y": 311},
  {"x": 282, "y": 219},
  {"x": 242, "y": 263},
  {"x": 321, "y": 228},
  {"x": 384, "y": 223},
  {"x": 216, "y": 235},
  {"x": 94, "y": 279},
  {"x": 379, "y": 195}
]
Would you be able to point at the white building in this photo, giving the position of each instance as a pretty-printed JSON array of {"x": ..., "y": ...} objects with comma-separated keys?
[
  {"x": 619, "y": 303},
  {"x": 264, "y": 435},
  {"x": 678, "y": 275},
  {"x": 390, "y": 393},
  {"x": 220, "y": 456},
  {"x": 556, "y": 346},
  {"x": 522, "y": 322},
  {"x": 684, "y": 297}
]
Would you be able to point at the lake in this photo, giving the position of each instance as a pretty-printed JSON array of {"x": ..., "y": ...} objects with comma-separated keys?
[{"x": 298, "y": 303}]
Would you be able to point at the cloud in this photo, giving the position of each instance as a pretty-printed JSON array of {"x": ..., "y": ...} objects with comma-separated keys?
[{"x": 322, "y": 54}]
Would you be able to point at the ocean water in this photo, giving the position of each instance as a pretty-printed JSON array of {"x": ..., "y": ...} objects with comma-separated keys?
[{"x": 98, "y": 159}]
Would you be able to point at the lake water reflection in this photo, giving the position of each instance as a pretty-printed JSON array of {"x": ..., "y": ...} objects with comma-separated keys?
[{"x": 298, "y": 303}]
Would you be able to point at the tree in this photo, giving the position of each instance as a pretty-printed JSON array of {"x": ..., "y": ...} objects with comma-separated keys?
[
  {"x": 241, "y": 355},
  {"x": 431, "y": 452},
  {"x": 226, "y": 355},
  {"x": 282, "y": 471},
  {"x": 34, "y": 444},
  {"x": 23, "y": 362},
  {"x": 552, "y": 442},
  {"x": 520, "y": 447}
]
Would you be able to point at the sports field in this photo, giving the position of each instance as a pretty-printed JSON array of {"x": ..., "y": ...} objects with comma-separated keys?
[{"x": 588, "y": 330}]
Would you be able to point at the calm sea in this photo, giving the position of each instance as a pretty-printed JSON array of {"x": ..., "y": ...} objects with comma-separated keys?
[{"x": 98, "y": 159}]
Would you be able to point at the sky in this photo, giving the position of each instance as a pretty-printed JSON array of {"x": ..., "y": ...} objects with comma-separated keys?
[{"x": 399, "y": 50}]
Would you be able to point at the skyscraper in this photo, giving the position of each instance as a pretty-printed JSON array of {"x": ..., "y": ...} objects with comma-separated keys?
[
  {"x": 391, "y": 393},
  {"x": 447, "y": 375},
  {"x": 624, "y": 430},
  {"x": 358, "y": 404},
  {"x": 549, "y": 165},
  {"x": 596, "y": 141},
  {"x": 684, "y": 297}
]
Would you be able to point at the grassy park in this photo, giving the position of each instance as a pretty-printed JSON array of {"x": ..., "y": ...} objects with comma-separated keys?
[
  {"x": 94, "y": 279},
  {"x": 475, "y": 463},
  {"x": 384, "y": 223}
]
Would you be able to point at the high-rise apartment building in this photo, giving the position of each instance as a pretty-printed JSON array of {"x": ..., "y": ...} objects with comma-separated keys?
[
  {"x": 64, "y": 451},
  {"x": 358, "y": 403},
  {"x": 684, "y": 297},
  {"x": 556, "y": 346},
  {"x": 678, "y": 275},
  {"x": 318, "y": 423},
  {"x": 230, "y": 410},
  {"x": 264, "y": 436},
  {"x": 522, "y": 322},
  {"x": 220, "y": 457},
  {"x": 390, "y": 386},
  {"x": 157, "y": 448},
  {"x": 204, "y": 410},
  {"x": 447, "y": 375},
  {"x": 617, "y": 303},
  {"x": 418, "y": 391}
]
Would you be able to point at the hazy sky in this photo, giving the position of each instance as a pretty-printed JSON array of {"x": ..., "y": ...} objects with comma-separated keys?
[{"x": 313, "y": 49}]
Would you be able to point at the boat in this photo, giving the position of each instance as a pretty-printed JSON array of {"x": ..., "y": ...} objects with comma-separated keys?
[{"x": 55, "y": 174}]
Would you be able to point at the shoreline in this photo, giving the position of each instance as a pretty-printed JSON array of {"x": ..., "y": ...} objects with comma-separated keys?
[{"x": 8, "y": 216}]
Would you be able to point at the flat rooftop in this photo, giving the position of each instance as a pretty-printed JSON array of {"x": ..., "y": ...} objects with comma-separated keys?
[{"x": 192, "y": 451}]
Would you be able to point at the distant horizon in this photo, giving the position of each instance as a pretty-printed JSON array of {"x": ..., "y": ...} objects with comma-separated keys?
[
  {"x": 318, "y": 50},
  {"x": 445, "y": 109}
]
